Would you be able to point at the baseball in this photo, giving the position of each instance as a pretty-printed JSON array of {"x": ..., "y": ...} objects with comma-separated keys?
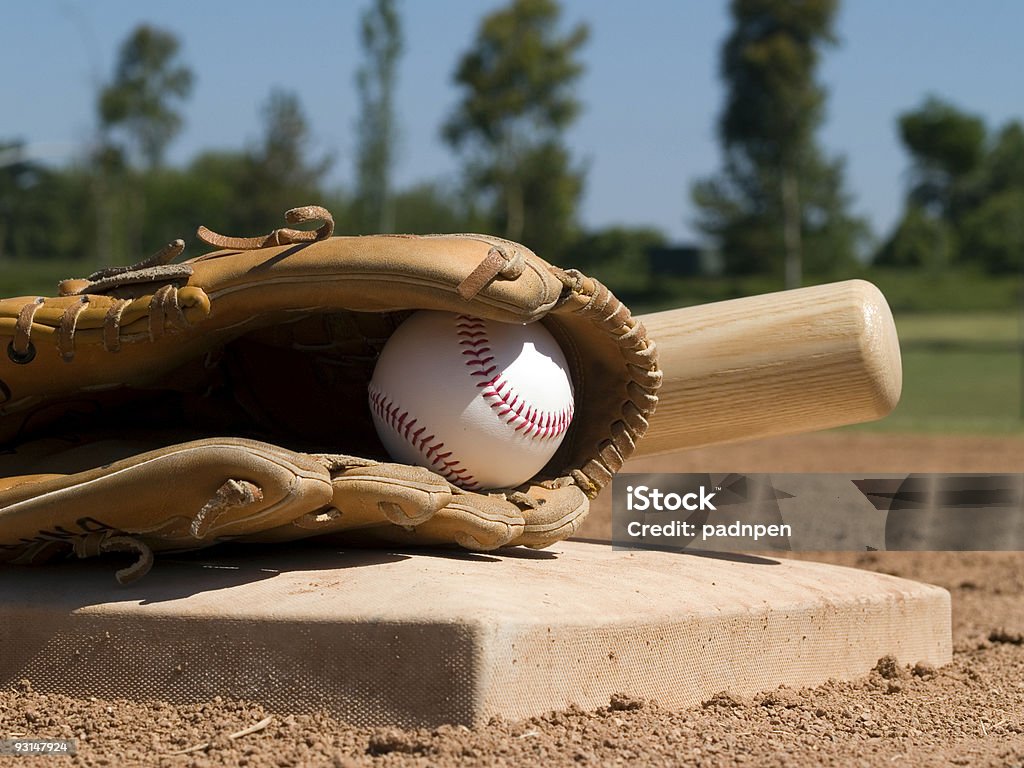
[{"x": 484, "y": 404}]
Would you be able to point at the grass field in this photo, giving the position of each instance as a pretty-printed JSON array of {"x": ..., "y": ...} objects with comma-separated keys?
[
  {"x": 38, "y": 278},
  {"x": 961, "y": 373}
]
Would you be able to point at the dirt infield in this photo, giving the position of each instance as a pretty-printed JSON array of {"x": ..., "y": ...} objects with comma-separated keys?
[{"x": 968, "y": 713}]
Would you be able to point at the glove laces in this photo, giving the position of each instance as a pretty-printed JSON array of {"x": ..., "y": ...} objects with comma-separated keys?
[{"x": 166, "y": 309}]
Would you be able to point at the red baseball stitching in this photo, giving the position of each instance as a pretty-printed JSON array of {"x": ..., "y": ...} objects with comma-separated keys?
[
  {"x": 499, "y": 393},
  {"x": 428, "y": 445}
]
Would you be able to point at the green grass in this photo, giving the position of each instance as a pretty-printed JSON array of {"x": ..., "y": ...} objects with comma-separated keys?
[
  {"x": 954, "y": 290},
  {"x": 38, "y": 278},
  {"x": 958, "y": 391},
  {"x": 961, "y": 374},
  {"x": 907, "y": 290},
  {"x": 975, "y": 328}
]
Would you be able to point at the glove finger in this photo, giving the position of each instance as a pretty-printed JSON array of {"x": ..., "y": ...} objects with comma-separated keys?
[
  {"x": 476, "y": 522},
  {"x": 472, "y": 521},
  {"x": 557, "y": 515},
  {"x": 366, "y": 497},
  {"x": 226, "y": 488},
  {"x": 396, "y": 493}
]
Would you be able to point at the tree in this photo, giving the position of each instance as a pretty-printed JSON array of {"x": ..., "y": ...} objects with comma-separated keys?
[
  {"x": 433, "y": 207},
  {"x": 921, "y": 239},
  {"x": 991, "y": 222},
  {"x": 42, "y": 210},
  {"x": 517, "y": 83},
  {"x": 210, "y": 190},
  {"x": 149, "y": 83},
  {"x": 140, "y": 106},
  {"x": 965, "y": 199},
  {"x": 943, "y": 138},
  {"x": 17, "y": 175},
  {"x": 777, "y": 188},
  {"x": 285, "y": 146},
  {"x": 1004, "y": 163},
  {"x": 620, "y": 256},
  {"x": 278, "y": 173},
  {"x": 381, "y": 41},
  {"x": 735, "y": 215},
  {"x": 241, "y": 191},
  {"x": 993, "y": 232},
  {"x": 831, "y": 239},
  {"x": 946, "y": 145}
]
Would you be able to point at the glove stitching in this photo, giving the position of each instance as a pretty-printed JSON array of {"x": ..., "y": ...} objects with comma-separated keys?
[
  {"x": 112, "y": 325},
  {"x": 608, "y": 314},
  {"x": 66, "y": 331},
  {"x": 21, "y": 350},
  {"x": 165, "y": 309}
]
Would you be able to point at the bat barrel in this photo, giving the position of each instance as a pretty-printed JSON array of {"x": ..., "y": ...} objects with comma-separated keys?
[{"x": 781, "y": 363}]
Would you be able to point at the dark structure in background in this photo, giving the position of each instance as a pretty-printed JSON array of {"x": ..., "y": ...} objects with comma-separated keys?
[{"x": 686, "y": 260}]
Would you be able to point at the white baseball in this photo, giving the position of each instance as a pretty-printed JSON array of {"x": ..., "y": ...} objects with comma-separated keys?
[{"x": 484, "y": 404}]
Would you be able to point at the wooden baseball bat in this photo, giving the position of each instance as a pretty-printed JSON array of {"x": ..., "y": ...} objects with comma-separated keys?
[{"x": 781, "y": 363}]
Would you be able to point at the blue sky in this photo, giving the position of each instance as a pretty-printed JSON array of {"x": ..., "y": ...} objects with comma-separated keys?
[{"x": 651, "y": 92}]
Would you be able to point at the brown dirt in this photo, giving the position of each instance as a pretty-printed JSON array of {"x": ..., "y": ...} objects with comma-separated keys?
[{"x": 969, "y": 713}]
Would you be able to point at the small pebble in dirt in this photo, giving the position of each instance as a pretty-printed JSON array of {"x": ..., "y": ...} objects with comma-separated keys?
[
  {"x": 889, "y": 668},
  {"x": 385, "y": 740},
  {"x": 924, "y": 670},
  {"x": 723, "y": 699},
  {"x": 620, "y": 702},
  {"x": 1002, "y": 635}
]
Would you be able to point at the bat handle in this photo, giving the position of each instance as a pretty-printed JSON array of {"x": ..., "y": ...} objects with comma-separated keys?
[{"x": 780, "y": 363}]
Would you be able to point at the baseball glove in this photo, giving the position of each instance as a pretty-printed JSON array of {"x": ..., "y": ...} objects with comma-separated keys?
[{"x": 170, "y": 406}]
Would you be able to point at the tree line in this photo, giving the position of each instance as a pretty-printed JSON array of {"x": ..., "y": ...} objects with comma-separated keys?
[{"x": 777, "y": 207}]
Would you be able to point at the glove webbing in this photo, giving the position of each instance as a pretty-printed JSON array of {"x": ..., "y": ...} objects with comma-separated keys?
[{"x": 602, "y": 309}]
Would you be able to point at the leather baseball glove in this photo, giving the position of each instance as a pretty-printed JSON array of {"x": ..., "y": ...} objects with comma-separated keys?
[{"x": 170, "y": 406}]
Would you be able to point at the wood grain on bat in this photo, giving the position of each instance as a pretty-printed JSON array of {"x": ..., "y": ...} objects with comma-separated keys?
[{"x": 780, "y": 363}]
